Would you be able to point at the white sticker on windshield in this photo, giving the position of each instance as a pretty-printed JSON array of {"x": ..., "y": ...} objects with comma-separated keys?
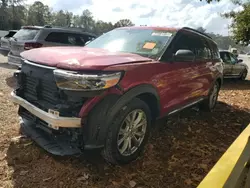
[{"x": 161, "y": 33}]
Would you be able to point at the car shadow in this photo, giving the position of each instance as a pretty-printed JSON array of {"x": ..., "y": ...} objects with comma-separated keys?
[
  {"x": 235, "y": 84},
  {"x": 7, "y": 66},
  {"x": 181, "y": 151},
  {"x": 11, "y": 82}
]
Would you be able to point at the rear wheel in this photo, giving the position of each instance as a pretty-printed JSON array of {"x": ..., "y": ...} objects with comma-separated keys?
[
  {"x": 128, "y": 133},
  {"x": 210, "y": 103},
  {"x": 243, "y": 75}
]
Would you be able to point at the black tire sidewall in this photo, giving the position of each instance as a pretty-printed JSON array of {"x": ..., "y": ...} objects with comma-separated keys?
[
  {"x": 217, "y": 94},
  {"x": 205, "y": 105},
  {"x": 115, "y": 127}
]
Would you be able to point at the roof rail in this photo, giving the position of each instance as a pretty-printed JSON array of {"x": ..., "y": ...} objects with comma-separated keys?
[
  {"x": 47, "y": 26},
  {"x": 191, "y": 29}
]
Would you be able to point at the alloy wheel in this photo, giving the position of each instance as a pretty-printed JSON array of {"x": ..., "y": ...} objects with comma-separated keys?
[{"x": 131, "y": 133}]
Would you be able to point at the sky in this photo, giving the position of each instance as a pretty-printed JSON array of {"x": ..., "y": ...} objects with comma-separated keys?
[{"x": 172, "y": 13}]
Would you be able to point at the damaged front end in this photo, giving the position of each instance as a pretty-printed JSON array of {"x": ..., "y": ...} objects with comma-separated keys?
[{"x": 50, "y": 101}]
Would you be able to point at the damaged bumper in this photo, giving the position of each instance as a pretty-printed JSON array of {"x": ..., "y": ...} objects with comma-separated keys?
[
  {"x": 59, "y": 145},
  {"x": 50, "y": 118}
]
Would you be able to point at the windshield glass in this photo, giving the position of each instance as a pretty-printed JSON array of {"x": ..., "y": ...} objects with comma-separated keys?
[
  {"x": 26, "y": 34},
  {"x": 145, "y": 42}
]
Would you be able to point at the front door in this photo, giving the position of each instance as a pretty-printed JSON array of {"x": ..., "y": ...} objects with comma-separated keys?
[
  {"x": 185, "y": 73},
  {"x": 236, "y": 68},
  {"x": 227, "y": 64}
]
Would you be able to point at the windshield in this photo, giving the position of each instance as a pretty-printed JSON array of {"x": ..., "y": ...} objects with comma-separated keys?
[
  {"x": 26, "y": 34},
  {"x": 145, "y": 42}
]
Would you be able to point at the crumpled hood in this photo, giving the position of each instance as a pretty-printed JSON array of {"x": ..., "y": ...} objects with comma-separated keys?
[{"x": 80, "y": 58}]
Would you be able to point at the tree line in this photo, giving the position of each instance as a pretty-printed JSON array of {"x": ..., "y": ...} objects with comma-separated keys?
[{"x": 14, "y": 14}]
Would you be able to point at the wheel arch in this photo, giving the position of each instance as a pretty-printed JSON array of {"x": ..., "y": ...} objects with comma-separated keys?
[{"x": 102, "y": 121}]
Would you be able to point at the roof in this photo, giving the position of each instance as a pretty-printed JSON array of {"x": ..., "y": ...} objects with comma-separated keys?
[{"x": 76, "y": 30}]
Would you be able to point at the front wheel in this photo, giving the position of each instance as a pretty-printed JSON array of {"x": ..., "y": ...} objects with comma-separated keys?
[
  {"x": 210, "y": 103},
  {"x": 128, "y": 133}
]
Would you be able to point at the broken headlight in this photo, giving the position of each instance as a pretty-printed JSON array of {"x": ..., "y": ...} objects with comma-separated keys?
[{"x": 69, "y": 80}]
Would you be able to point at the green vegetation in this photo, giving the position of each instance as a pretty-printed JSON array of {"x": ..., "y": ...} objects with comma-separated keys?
[
  {"x": 14, "y": 14},
  {"x": 224, "y": 42},
  {"x": 240, "y": 21}
]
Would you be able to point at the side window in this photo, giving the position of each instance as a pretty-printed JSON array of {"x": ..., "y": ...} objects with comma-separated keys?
[
  {"x": 184, "y": 42},
  {"x": 232, "y": 58},
  {"x": 67, "y": 38},
  {"x": 57, "y": 37},
  {"x": 198, "y": 45},
  {"x": 203, "y": 50},
  {"x": 76, "y": 39},
  {"x": 215, "y": 51},
  {"x": 225, "y": 57}
]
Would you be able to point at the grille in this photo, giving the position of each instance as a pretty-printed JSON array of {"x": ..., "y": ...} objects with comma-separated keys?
[{"x": 37, "y": 89}]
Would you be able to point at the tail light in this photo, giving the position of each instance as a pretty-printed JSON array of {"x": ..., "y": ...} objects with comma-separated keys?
[{"x": 31, "y": 45}]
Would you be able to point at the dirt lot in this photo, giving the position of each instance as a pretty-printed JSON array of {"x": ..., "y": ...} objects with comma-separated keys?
[{"x": 181, "y": 151}]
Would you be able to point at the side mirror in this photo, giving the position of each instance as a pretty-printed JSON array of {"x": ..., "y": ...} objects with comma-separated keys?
[
  {"x": 239, "y": 61},
  {"x": 184, "y": 55}
]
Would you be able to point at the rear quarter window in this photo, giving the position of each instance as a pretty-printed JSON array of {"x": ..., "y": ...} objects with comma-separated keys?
[
  {"x": 10, "y": 34},
  {"x": 26, "y": 34}
]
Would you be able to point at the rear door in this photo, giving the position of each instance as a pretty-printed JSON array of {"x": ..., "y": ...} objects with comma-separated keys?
[
  {"x": 227, "y": 64},
  {"x": 203, "y": 69},
  {"x": 24, "y": 35}
]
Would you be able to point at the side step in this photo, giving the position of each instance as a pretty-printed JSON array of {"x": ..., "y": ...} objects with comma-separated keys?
[{"x": 56, "y": 145}]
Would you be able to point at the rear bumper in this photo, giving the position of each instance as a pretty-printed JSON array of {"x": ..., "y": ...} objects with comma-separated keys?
[
  {"x": 4, "y": 51},
  {"x": 14, "y": 60},
  {"x": 53, "y": 120}
]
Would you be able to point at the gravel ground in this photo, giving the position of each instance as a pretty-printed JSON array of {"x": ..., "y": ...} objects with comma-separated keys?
[{"x": 181, "y": 151}]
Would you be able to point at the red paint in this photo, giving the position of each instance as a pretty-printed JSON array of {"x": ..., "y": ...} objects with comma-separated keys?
[
  {"x": 177, "y": 83},
  {"x": 80, "y": 58}
]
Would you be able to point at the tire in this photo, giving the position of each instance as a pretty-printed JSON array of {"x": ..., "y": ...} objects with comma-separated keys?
[
  {"x": 243, "y": 75},
  {"x": 113, "y": 152},
  {"x": 209, "y": 104}
]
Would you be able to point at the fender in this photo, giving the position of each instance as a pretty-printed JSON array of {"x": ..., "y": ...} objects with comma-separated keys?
[{"x": 104, "y": 112}]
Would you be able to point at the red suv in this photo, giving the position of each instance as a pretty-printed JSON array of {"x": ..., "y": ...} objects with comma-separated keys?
[{"x": 107, "y": 94}]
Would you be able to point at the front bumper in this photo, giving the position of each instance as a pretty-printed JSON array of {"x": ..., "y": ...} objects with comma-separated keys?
[
  {"x": 55, "y": 144},
  {"x": 51, "y": 119},
  {"x": 4, "y": 51},
  {"x": 14, "y": 60}
]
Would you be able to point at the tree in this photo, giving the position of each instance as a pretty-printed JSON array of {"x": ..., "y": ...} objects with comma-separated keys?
[
  {"x": 62, "y": 18},
  {"x": 240, "y": 23},
  {"x": 87, "y": 21},
  {"x": 38, "y": 14},
  {"x": 123, "y": 23},
  {"x": 102, "y": 27},
  {"x": 201, "y": 29}
]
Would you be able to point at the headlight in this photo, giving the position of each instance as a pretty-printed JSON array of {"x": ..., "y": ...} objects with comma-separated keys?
[{"x": 69, "y": 80}]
